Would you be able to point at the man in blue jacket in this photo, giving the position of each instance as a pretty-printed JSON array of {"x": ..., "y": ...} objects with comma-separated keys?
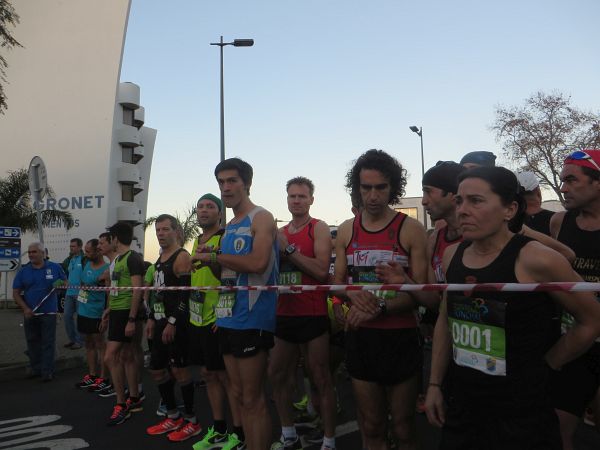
[{"x": 33, "y": 292}]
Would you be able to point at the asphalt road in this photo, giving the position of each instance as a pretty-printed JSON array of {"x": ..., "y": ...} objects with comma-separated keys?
[{"x": 56, "y": 415}]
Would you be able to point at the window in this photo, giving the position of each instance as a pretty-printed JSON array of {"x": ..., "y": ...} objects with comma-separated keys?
[
  {"x": 128, "y": 116},
  {"x": 127, "y": 155},
  {"x": 411, "y": 212},
  {"x": 127, "y": 192}
]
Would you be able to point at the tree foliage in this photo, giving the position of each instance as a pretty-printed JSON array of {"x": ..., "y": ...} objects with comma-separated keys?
[
  {"x": 538, "y": 135},
  {"x": 188, "y": 222},
  {"x": 16, "y": 205},
  {"x": 8, "y": 18}
]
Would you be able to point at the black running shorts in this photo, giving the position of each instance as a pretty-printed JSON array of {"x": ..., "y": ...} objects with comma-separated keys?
[
  {"x": 244, "y": 343},
  {"x": 301, "y": 329},
  {"x": 467, "y": 428},
  {"x": 174, "y": 354},
  {"x": 574, "y": 386},
  {"x": 88, "y": 325},
  {"x": 384, "y": 356},
  {"x": 117, "y": 321},
  {"x": 204, "y": 347}
]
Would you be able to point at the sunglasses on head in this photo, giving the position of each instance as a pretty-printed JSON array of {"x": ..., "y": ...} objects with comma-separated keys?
[{"x": 580, "y": 155}]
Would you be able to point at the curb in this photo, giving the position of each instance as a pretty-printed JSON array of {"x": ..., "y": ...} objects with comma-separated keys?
[{"x": 21, "y": 370}]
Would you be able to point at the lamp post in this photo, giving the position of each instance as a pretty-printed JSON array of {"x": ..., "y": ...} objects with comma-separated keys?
[
  {"x": 221, "y": 44},
  {"x": 419, "y": 131}
]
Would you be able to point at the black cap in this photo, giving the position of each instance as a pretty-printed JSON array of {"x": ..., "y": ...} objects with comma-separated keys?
[
  {"x": 444, "y": 175},
  {"x": 480, "y": 157}
]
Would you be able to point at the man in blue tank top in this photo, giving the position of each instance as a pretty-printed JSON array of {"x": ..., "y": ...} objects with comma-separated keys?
[{"x": 246, "y": 319}]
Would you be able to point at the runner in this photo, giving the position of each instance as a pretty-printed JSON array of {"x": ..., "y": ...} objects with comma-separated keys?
[
  {"x": 89, "y": 315},
  {"x": 204, "y": 341},
  {"x": 497, "y": 347},
  {"x": 302, "y": 319},
  {"x": 126, "y": 270},
  {"x": 577, "y": 384},
  {"x": 168, "y": 327},
  {"x": 538, "y": 218},
  {"x": 383, "y": 346},
  {"x": 246, "y": 319}
]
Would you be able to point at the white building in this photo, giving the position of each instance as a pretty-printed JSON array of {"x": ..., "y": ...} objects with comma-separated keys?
[{"x": 67, "y": 105}]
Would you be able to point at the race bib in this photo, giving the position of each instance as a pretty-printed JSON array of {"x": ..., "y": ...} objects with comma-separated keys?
[
  {"x": 363, "y": 263},
  {"x": 478, "y": 334},
  {"x": 83, "y": 296},
  {"x": 114, "y": 282},
  {"x": 159, "y": 311},
  {"x": 196, "y": 306},
  {"x": 288, "y": 278},
  {"x": 225, "y": 305}
]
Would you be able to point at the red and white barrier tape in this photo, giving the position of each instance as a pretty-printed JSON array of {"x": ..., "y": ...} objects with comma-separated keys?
[{"x": 502, "y": 287}]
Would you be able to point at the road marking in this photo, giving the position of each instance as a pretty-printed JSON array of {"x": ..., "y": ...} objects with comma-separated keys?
[{"x": 31, "y": 426}]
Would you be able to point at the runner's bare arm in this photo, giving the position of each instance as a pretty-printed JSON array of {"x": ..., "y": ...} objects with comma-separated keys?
[
  {"x": 538, "y": 263},
  {"x": 317, "y": 266},
  {"x": 549, "y": 242},
  {"x": 264, "y": 232},
  {"x": 555, "y": 223}
]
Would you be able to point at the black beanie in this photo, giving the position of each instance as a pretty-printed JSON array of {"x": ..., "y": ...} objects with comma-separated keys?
[{"x": 444, "y": 175}]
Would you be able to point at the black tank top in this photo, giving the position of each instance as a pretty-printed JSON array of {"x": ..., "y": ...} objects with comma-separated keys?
[
  {"x": 498, "y": 338},
  {"x": 585, "y": 244},
  {"x": 165, "y": 276}
]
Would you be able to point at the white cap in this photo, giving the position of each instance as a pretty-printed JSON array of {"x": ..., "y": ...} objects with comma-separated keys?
[{"x": 528, "y": 180}]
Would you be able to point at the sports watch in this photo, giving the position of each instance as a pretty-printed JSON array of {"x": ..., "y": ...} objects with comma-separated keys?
[
  {"x": 290, "y": 249},
  {"x": 382, "y": 306},
  {"x": 171, "y": 320}
]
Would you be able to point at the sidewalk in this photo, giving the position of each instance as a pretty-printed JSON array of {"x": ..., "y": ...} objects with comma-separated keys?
[{"x": 14, "y": 363}]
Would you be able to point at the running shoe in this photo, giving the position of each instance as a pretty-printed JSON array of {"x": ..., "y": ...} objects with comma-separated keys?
[
  {"x": 302, "y": 404},
  {"x": 588, "y": 417},
  {"x": 99, "y": 385},
  {"x": 119, "y": 415},
  {"x": 211, "y": 440},
  {"x": 314, "y": 436},
  {"x": 187, "y": 431},
  {"x": 233, "y": 443},
  {"x": 306, "y": 420},
  {"x": 135, "y": 405},
  {"x": 287, "y": 444},
  {"x": 161, "y": 411},
  {"x": 166, "y": 426},
  {"x": 86, "y": 382},
  {"x": 107, "y": 392}
]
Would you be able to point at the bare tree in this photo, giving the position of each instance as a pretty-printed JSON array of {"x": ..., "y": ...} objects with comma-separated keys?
[
  {"x": 8, "y": 18},
  {"x": 538, "y": 135}
]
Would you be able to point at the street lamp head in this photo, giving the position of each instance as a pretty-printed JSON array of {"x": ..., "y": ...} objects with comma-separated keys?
[
  {"x": 414, "y": 129},
  {"x": 243, "y": 42}
]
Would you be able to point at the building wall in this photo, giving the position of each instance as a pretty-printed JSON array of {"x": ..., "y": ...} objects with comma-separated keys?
[{"x": 64, "y": 104}]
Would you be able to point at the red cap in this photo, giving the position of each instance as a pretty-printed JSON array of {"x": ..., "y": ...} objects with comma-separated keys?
[{"x": 580, "y": 158}]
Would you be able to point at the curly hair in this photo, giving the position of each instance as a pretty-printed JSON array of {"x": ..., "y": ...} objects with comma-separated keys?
[{"x": 390, "y": 168}]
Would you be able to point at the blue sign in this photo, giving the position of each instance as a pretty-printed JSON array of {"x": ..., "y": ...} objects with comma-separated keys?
[
  {"x": 13, "y": 232},
  {"x": 9, "y": 253}
]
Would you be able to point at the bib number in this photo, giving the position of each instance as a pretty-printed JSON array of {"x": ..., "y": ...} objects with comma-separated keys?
[
  {"x": 114, "y": 282},
  {"x": 83, "y": 296},
  {"x": 225, "y": 305},
  {"x": 479, "y": 346},
  {"x": 289, "y": 278},
  {"x": 196, "y": 306},
  {"x": 159, "y": 311}
]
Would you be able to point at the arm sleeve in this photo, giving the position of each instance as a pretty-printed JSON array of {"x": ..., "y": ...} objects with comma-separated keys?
[{"x": 184, "y": 297}]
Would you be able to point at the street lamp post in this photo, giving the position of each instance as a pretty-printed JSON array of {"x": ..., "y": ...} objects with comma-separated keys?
[
  {"x": 221, "y": 44},
  {"x": 419, "y": 131}
]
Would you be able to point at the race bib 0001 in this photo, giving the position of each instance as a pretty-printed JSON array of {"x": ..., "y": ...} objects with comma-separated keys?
[{"x": 478, "y": 334}]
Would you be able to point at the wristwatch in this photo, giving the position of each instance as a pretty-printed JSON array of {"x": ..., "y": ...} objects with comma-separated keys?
[
  {"x": 171, "y": 320},
  {"x": 290, "y": 249},
  {"x": 382, "y": 306}
]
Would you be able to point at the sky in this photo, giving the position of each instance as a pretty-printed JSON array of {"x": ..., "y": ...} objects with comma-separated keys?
[{"x": 327, "y": 80}]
